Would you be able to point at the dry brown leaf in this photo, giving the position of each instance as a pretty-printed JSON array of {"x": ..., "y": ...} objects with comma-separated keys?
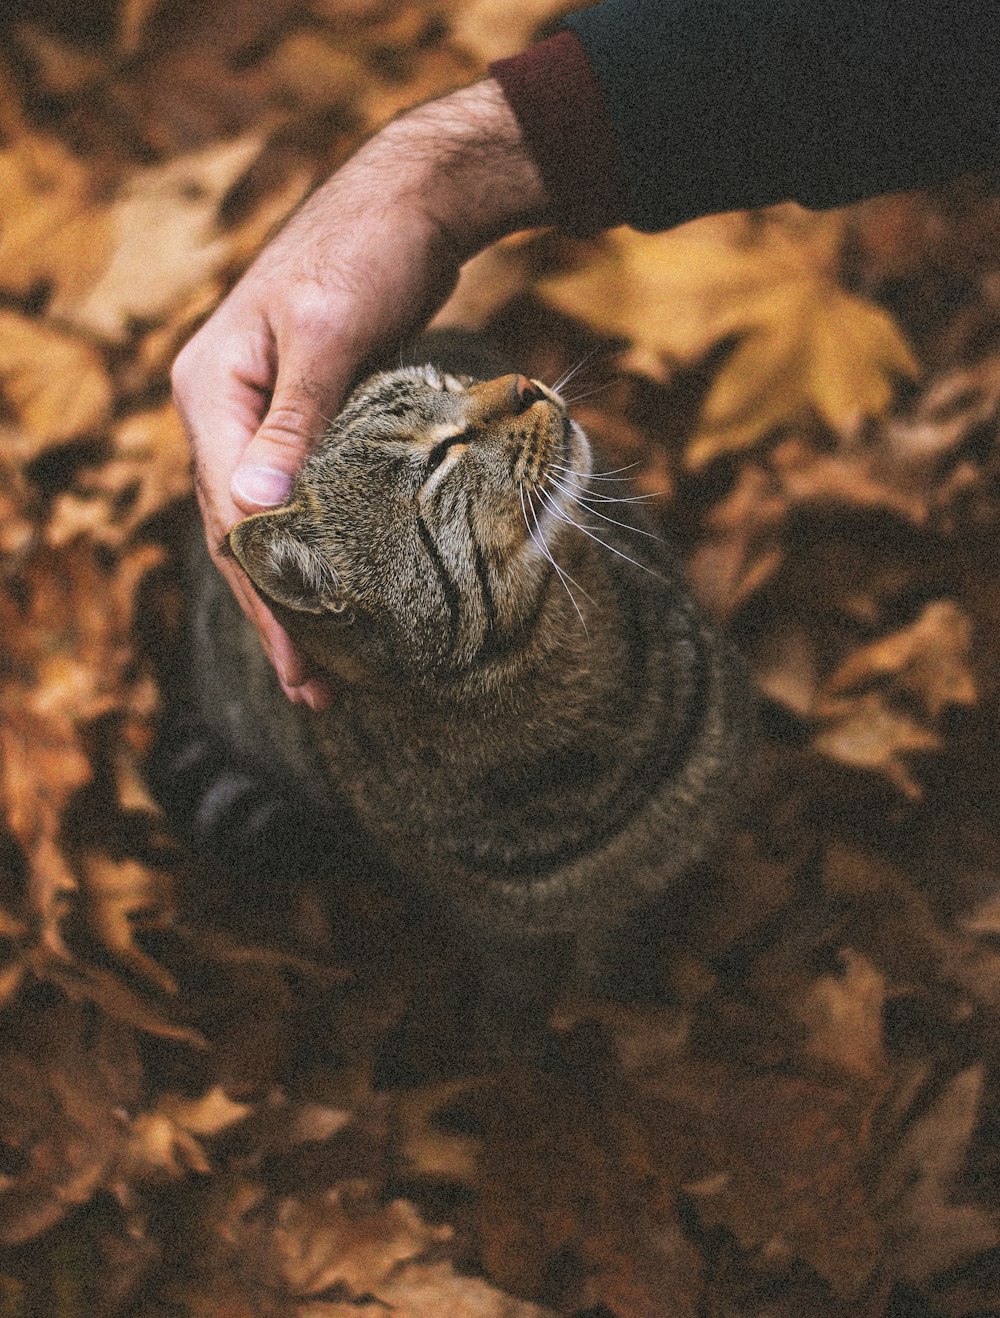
[
  {"x": 149, "y": 467},
  {"x": 806, "y": 346},
  {"x": 62, "y": 66},
  {"x": 114, "y": 894},
  {"x": 786, "y": 668},
  {"x": 930, "y": 1230},
  {"x": 434, "y": 1290},
  {"x": 783, "y": 1171},
  {"x": 340, "y": 1239},
  {"x": 984, "y": 919},
  {"x": 866, "y": 732},
  {"x": 427, "y": 1149},
  {"x": 569, "y": 1172},
  {"x": 485, "y": 284},
  {"x": 167, "y": 1140},
  {"x": 474, "y": 25},
  {"x": 54, "y": 384},
  {"x": 316, "y": 71},
  {"x": 862, "y": 480},
  {"x": 328, "y": 1255},
  {"x": 39, "y": 769},
  {"x": 67, "y": 654},
  {"x": 742, "y": 549},
  {"x": 208, "y": 1115},
  {"x": 66, "y": 1076},
  {"x": 919, "y": 235},
  {"x": 17, "y": 531},
  {"x": 437, "y": 71},
  {"x": 165, "y": 240},
  {"x": 843, "y": 1014},
  {"x": 156, "y": 351},
  {"x": 930, "y": 658},
  {"x": 134, "y": 18},
  {"x": 948, "y": 411},
  {"x": 895, "y": 233},
  {"x": 51, "y": 229}
]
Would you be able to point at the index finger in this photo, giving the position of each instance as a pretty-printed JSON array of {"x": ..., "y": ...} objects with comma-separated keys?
[{"x": 221, "y": 418}]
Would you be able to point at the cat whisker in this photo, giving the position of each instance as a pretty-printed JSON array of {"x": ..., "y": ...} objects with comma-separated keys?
[
  {"x": 540, "y": 543},
  {"x": 567, "y": 375},
  {"x": 549, "y": 553},
  {"x": 598, "y": 475},
  {"x": 582, "y": 526},
  {"x": 594, "y": 512},
  {"x": 591, "y": 497},
  {"x": 565, "y": 517},
  {"x": 570, "y": 402}
]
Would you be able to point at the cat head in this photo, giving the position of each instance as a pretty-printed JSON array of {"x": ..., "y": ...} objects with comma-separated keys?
[{"x": 420, "y": 533}]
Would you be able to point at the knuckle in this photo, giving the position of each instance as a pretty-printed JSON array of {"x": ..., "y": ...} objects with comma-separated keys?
[
  {"x": 288, "y": 426},
  {"x": 310, "y": 308}
]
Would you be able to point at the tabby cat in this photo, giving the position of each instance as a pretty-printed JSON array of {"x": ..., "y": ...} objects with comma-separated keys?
[{"x": 529, "y": 715}]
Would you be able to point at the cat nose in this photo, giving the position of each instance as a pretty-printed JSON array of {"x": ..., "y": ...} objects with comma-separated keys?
[{"x": 526, "y": 392}]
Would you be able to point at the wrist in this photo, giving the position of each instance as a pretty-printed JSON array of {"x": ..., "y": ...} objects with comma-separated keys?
[{"x": 477, "y": 180}]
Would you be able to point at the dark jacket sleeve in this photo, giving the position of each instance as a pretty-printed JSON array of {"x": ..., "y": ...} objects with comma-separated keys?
[{"x": 716, "y": 105}]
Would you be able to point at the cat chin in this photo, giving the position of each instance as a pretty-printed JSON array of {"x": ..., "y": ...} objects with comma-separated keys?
[{"x": 579, "y": 454}]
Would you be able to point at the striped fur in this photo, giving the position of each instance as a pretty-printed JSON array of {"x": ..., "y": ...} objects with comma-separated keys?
[{"x": 541, "y": 728}]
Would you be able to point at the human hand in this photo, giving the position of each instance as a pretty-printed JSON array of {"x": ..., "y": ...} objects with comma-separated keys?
[{"x": 363, "y": 262}]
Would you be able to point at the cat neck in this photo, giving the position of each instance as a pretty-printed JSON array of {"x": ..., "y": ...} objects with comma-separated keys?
[{"x": 572, "y": 656}]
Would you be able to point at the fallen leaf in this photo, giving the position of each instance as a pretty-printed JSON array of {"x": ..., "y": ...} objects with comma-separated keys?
[
  {"x": 742, "y": 548},
  {"x": 435, "y": 1290},
  {"x": 114, "y": 895},
  {"x": 947, "y": 413},
  {"x": 843, "y": 1015},
  {"x": 805, "y": 345},
  {"x": 782, "y": 1168},
  {"x": 317, "y": 71},
  {"x": 573, "y": 1182},
  {"x": 786, "y": 668},
  {"x": 53, "y": 230},
  {"x": 62, "y": 66},
  {"x": 17, "y": 530},
  {"x": 148, "y": 467},
  {"x": 486, "y": 282},
  {"x": 929, "y": 1228},
  {"x": 67, "y": 1076},
  {"x": 68, "y": 651},
  {"x": 475, "y": 26},
  {"x": 857, "y": 480},
  {"x": 985, "y": 919},
  {"x": 930, "y": 658},
  {"x": 166, "y": 241},
  {"x": 166, "y": 1141},
  {"x": 341, "y": 1238},
  {"x": 55, "y": 385},
  {"x": 866, "y": 732}
]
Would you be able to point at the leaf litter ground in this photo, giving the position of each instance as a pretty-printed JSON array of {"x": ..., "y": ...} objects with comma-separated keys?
[{"x": 223, "y": 1101}]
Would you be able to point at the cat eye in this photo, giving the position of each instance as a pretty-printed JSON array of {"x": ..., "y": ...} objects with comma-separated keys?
[{"x": 439, "y": 452}]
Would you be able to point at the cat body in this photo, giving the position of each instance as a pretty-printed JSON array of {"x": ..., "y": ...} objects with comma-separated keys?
[{"x": 539, "y": 729}]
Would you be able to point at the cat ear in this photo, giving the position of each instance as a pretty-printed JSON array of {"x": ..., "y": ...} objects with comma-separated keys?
[{"x": 282, "y": 564}]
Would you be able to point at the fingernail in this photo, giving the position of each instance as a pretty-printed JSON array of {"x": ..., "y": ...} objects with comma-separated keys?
[
  {"x": 314, "y": 696},
  {"x": 264, "y": 485}
]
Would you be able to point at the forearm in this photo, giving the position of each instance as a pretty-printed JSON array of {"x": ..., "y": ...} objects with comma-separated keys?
[
  {"x": 449, "y": 177},
  {"x": 473, "y": 174}
]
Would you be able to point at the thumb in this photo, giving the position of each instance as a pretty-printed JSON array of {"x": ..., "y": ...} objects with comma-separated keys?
[{"x": 287, "y": 435}]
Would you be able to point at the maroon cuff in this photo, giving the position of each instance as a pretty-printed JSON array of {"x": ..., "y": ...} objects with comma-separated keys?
[{"x": 555, "y": 95}]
